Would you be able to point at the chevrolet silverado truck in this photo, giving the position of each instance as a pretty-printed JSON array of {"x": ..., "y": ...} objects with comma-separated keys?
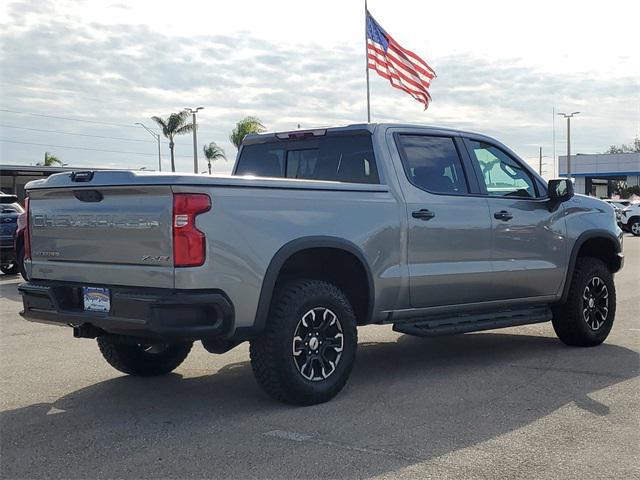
[{"x": 432, "y": 230}]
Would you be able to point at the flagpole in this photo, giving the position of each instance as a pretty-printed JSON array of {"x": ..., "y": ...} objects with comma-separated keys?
[{"x": 366, "y": 62}]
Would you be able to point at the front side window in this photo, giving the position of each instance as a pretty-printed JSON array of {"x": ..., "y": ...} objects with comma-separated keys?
[
  {"x": 502, "y": 175},
  {"x": 433, "y": 164}
]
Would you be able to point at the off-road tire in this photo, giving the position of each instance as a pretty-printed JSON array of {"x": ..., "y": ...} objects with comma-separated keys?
[
  {"x": 272, "y": 356},
  {"x": 135, "y": 359},
  {"x": 9, "y": 268},
  {"x": 568, "y": 320}
]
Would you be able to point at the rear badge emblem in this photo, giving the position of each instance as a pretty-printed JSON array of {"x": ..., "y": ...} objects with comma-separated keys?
[{"x": 155, "y": 258}]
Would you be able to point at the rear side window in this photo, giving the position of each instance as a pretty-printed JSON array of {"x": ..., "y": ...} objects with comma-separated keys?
[
  {"x": 433, "y": 164},
  {"x": 333, "y": 158}
]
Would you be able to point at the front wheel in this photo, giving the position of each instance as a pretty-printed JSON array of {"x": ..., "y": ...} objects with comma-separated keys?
[
  {"x": 634, "y": 227},
  {"x": 586, "y": 318},
  {"x": 307, "y": 350},
  {"x": 143, "y": 359}
]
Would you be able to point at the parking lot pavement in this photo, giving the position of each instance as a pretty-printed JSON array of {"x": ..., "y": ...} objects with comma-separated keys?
[{"x": 513, "y": 403}]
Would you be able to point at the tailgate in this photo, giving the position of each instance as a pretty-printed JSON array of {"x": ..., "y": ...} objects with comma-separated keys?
[{"x": 118, "y": 235}]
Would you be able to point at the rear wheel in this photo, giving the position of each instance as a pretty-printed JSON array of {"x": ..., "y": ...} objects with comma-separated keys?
[
  {"x": 143, "y": 359},
  {"x": 586, "y": 318},
  {"x": 307, "y": 350}
]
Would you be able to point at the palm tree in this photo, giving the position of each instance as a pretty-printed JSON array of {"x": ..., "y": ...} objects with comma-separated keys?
[
  {"x": 243, "y": 128},
  {"x": 50, "y": 160},
  {"x": 213, "y": 152},
  {"x": 175, "y": 124}
]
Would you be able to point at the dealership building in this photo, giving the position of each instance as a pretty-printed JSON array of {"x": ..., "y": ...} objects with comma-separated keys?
[
  {"x": 13, "y": 178},
  {"x": 595, "y": 174}
]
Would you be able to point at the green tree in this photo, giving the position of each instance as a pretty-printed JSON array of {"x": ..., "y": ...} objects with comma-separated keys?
[
  {"x": 50, "y": 160},
  {"x": 243, "y": 128},
  {"x": 174, "y": 124},
  {"x": 213, "y": 152},
  {"x": 624, "y": 148}
]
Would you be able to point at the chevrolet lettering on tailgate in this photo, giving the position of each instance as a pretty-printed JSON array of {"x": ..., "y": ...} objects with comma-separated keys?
[{"x": 95, "y": 221}]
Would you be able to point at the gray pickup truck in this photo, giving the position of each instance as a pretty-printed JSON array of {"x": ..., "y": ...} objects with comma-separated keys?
[{"x": 432, "y": 230}]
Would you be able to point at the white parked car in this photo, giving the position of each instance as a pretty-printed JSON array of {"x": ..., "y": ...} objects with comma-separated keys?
[
  {"x": 618, "y": 204},
  {"x": 629, "y": 219}
]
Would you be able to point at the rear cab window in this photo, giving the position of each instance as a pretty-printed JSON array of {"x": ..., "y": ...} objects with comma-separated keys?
[{"x": 330, "y": 157}]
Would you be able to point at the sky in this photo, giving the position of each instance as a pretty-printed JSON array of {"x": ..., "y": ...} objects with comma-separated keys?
[{"x": 75, "y": 76}]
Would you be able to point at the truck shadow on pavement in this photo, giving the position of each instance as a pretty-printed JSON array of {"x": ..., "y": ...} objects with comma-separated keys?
[{"x": 408, "y": 401}]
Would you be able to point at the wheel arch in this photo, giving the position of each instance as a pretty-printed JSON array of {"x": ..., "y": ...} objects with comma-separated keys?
[
  {"x": 298, "y": 246},
  {"x": 631, "y": 220},
  {"x": 600, "y": 244}
]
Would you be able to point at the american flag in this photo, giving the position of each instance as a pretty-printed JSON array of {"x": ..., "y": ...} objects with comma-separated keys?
[{"x": 403, "y": 68}]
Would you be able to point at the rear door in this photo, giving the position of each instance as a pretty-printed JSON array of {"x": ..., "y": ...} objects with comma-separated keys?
[
  {"x": 117, "y": 235},
  {"x": 449, "y": 230},
  {"x": 529, "y": 241}
]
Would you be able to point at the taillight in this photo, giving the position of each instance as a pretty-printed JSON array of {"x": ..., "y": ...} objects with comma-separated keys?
[
  {"x": 27, "y": 235},
  {"x": 189, "y": 243}
]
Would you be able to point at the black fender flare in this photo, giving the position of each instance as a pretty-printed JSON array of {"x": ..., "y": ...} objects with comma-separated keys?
[
  {"x": 591, "y": 234},
  {"x": 285, "y": 252}
]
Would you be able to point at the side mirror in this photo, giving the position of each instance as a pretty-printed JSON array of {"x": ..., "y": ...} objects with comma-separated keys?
[{"x": 560, "y": 189}]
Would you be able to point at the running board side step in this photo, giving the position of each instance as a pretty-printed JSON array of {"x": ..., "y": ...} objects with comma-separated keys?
[{"x": 447, "y": 325}]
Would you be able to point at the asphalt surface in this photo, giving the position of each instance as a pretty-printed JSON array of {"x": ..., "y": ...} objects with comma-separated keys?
[{"x": 513, "y": 403}]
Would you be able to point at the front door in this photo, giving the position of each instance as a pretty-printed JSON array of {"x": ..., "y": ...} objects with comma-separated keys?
[
  {"x": 449, "y": 229},
  {"x": 529, "y": 244}
]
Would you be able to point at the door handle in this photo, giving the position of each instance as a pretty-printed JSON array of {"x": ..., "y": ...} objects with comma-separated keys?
[
  {"x": 423, "y": 214},
  {"x": 503, "y": 215}
]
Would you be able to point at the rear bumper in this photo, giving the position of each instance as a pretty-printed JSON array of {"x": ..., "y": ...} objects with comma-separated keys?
[{"x": 142, "y": 312}]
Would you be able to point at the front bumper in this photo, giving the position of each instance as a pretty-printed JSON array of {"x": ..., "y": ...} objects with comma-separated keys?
[{"x": 152, "y": 313}]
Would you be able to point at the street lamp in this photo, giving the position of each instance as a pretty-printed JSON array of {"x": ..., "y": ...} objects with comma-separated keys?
[
  {"x": 157, "y": 137},
  {"x": 193, "y": 112},
  {"x": 568, "y": 116}
]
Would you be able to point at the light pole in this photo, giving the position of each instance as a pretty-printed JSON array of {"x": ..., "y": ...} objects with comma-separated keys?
[
  {"x": 568, "y": 116},
  {"x": 157, "y": 137},
  {"x": 540, "y": 160},
  {"x": 193, "y": 112},
  {"x": 540, "y": 164}
]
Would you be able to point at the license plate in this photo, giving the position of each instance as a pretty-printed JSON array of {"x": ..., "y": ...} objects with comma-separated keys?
[{"x": 96, "y": 299}]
